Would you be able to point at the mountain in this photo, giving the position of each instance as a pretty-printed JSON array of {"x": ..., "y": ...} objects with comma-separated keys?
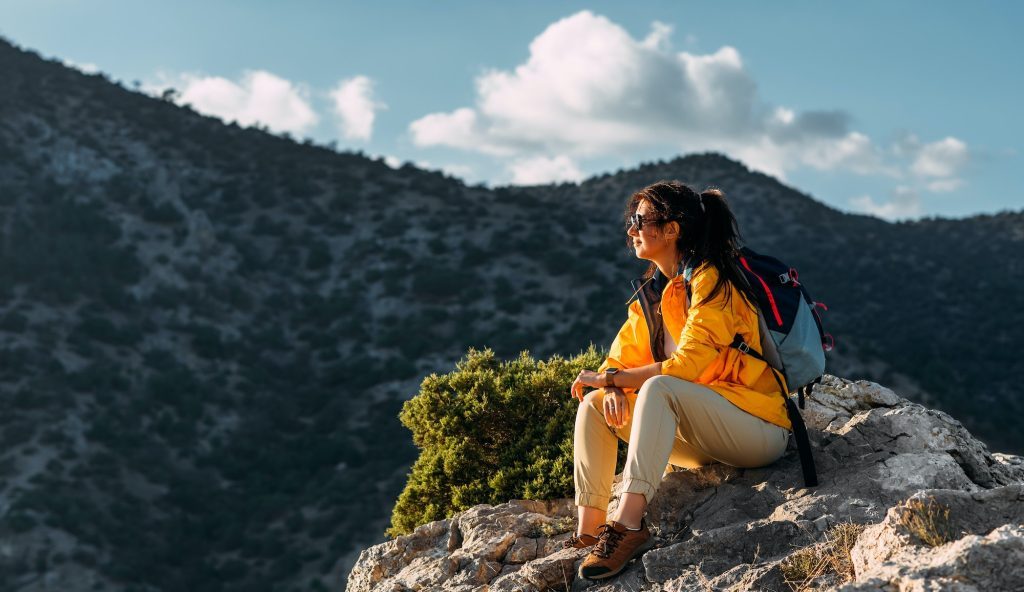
[{"x": 208, "y": 330}]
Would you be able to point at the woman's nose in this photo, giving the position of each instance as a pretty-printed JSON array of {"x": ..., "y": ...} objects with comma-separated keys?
[{"x": 632, "y": 231}]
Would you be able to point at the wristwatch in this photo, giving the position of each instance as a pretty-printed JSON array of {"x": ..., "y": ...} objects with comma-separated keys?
[{"x": 609, "y": 376}]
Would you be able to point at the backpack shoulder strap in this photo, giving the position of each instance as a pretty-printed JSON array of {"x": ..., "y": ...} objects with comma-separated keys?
[{"x": 803, "y": 443}]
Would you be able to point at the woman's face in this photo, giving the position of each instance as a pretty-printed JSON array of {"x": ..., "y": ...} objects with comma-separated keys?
[{"x": 651, "y": 242}]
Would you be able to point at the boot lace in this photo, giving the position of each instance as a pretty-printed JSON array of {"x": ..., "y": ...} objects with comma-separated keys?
[
  {"x": 607, "y": 540},
  {"x": 571, "y": 542}
]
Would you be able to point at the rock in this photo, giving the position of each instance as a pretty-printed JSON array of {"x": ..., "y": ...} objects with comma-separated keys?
[
  {"x": 380, "y": 562},
  {"x": 763, "y": 577},
  {"x": 991, "y": 562},
  {"x": 969, "y": 513},
  {"x": 717, "y": 551},
  {"x": 471, "y": 549},
  {"x": 879, "y": 457},
  {"x": 683, "y": 492},
  {"x": 1010, "y": 465},
  {"x": 523, "y": 550},
  {"x": 556, "y": 571}
]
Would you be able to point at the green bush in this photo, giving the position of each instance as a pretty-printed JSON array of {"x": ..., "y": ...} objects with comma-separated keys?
[{"x": 489, "y": 432}]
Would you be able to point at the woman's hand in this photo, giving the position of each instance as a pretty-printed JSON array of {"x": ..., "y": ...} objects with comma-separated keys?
[
  {"x": 586, "y": 378},
  {"x": 616, "y": 407}
]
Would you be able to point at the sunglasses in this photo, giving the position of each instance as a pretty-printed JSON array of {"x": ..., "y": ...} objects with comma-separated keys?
[{"x": 638, "y": 221}]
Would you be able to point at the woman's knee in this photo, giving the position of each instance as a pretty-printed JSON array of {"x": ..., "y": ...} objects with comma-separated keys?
[
  {"x": 592, "y": 402},
  {"x": 659, "y": 383},
  {"x": 656, "y": 390}
]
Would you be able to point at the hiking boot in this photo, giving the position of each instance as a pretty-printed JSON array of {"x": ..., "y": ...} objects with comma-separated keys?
[
  {"x": 579, "y": 541},
  {"x": 616, "y": 546}
]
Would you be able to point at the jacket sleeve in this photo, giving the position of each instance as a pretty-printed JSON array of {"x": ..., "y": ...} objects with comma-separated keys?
[
  {"x": 708, "y": 330},
  {"x": 631, "y": 347}
]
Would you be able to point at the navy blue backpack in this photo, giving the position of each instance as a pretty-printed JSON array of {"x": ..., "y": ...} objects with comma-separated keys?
[{"x": 793, "y": 342}]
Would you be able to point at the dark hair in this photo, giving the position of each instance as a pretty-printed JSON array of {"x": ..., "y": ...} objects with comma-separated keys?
[{"x": 708, "y": 233}]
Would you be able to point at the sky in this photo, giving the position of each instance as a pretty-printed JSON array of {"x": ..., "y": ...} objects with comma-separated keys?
[{"x": 896, "y": 109}]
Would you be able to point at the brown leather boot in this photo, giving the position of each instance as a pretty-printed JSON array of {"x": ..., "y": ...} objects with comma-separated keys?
[
  {"x": 616, "y": 546},
  {"x": 579, "y": 541}
]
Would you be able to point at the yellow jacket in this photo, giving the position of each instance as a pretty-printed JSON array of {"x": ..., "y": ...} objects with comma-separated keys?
[{"x": 704, "y": 332}]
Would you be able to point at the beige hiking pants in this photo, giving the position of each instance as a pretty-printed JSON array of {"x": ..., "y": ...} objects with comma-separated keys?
[{"x": 671, "y": 421}]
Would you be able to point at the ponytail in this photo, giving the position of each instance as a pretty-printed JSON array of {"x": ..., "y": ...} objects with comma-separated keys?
[{"x": 721, "y": 244}]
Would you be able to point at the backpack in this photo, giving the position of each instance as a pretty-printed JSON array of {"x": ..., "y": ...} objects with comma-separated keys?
[{"x": 793, "y": 342}]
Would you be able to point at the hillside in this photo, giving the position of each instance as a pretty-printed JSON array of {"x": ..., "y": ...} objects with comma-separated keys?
[{"x": 208, "y": 330}]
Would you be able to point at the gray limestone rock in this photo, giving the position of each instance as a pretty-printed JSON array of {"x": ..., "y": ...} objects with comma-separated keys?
[{"x": 991, "y": 562}]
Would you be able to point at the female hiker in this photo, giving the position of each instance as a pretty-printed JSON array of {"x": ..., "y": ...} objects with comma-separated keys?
[{"x": 672, "y": 386}]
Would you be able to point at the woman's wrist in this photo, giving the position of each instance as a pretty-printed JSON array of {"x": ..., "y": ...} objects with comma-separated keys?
[{"x": 608, "y": 377}]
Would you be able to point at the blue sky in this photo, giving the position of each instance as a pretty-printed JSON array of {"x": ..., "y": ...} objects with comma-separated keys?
[{"x": 901, "y": 109}]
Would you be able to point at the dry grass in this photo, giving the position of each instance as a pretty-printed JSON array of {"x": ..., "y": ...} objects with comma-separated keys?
[
  {"x": 553, "y": 528},
  {"x": 928, "y": 520},
  {"x": 831, "y": 556}
]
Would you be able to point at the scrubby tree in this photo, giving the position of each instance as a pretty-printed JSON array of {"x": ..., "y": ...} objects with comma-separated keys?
[{"x": 488, "y": 432}]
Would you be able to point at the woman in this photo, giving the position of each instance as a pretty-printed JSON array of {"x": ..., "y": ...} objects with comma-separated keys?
[{"x": 672, "y": 386}]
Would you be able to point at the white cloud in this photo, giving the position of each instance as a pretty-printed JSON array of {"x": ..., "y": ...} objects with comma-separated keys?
[
  {"x": 589, "y": 89},
  {"x": 457, "y": 129},
  {"x": 853, "y": 152},
  {"x": 355, "y": 107},
  {"x": 904, "y": 202},
  {"x": 540, "y": 170},
  {"x": 784, "y": 116},
  {"x": 941, "y": 159},
  {"x": 461, "y": 171},
  {"x": 86, "y": 67},
  {"x": 934, "y": 167},
  {"x": 660, "y": 36},
  {"x": 259, "y": 97}
]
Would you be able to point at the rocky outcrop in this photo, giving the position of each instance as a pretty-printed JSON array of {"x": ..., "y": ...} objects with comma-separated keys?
[{"x": 939, "y": 512}]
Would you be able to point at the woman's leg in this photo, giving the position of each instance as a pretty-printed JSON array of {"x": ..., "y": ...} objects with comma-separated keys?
[
  {"x": 706, "y": 421},
  {"x": 595, "y": 450}
]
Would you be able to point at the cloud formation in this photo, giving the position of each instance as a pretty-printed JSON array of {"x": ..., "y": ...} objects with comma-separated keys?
[
  {"x": 941, "y": 159},
  {"x": 355, "y": 107},
  {"x": 589, "y": 89},
  {"x": 259, "y": 97},
  {"x": 904, "y": 202},
  {"x": 541, "y": 169},
  {"x": 85, "y": 67}
]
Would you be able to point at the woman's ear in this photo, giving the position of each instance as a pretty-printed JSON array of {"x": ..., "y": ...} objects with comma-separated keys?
[{"x": 671, "y": 230}]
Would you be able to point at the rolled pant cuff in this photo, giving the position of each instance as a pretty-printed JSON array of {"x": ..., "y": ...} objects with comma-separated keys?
[
  {"x": 634, "y": 485},
  {"x": 592, "y": 500}
]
